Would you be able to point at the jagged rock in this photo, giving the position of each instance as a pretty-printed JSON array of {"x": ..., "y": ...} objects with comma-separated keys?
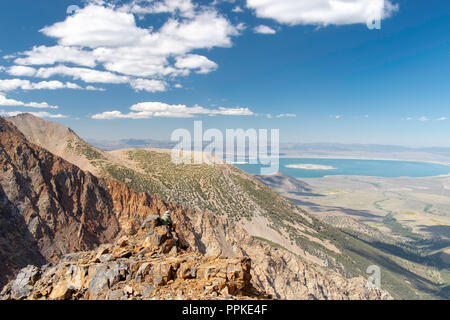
[
  {"x": 99, "y": 280},
  {"x": 61, "y": 291},
  {"x": 155, "y": 277},
  {"x": 76, "y": 277},
  {"x": 23, "y": 285}
]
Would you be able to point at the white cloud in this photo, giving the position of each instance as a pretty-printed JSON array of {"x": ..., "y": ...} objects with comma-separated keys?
[
  {"x": 286, "y": 115},
  {"x": 184, "y": 8},
  {"x": 442, "y": 119},
  {"x": 41, "y": 114},
  {"x": 13, "y": 84},
  {"x": 43, "y": 55},
  {"x": 322, "y": 12},
  {"x": 96, "y": 26},
  {"x": 21, "y": 71},
  {"x": 84, "y": 74},
  {"x": 148, "y": 85},
  {"x": 195, "y": 61},
  {"x": 147, "y": 110},
  {"x": 5, "y": 102},
  {"x": 96, "y": 76},
  {"x": 105, "y": 34},
  {"x": 264, "y": 29},
  {"x": 423, "y": 119},
  {"x": 178, "y": 86}
]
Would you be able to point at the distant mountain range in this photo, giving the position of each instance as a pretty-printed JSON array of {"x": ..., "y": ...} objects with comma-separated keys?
[
  {"x": 337, "y": 147},
  {"x": 284, "y": 147}
]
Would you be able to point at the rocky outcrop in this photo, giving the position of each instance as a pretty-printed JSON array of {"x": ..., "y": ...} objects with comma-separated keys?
[{"x": 149, "y": 265}]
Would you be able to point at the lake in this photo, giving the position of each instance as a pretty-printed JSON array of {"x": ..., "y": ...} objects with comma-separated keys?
[{"x": 318, "y": 168}]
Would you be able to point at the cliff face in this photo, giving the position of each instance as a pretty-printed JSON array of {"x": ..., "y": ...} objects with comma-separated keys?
[{"x": 50, "y": 207}]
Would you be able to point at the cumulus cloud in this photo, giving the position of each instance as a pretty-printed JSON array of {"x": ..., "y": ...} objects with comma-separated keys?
[
  {"x": 96, "y": 26},
  {"x": 84, "y": 74},
  {"x": 442, "y": 119},
  {"x": 184, "y": 8},
  {"x": 76, "y": 73},
  {"x": 423, "y": 119},
  {"x": 102, "y": 43},
  {"x": 148, "y": 85},
  {"x": 106, "y": 45},
  {"x": 264, "y": 29},
  {"x": 13, "y": 84},
  {"x": 42, "y": 55},
  {"x": 195, "y": 61},
  {"x": 146, "y": 110},
  {"x": 21, "y": 71},
  {"x": 322, "y": 12},
  {"x": 5, "y": 102}
]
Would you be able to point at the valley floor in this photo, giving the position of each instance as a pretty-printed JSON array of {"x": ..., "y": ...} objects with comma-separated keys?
[
  {"x": 420, "y": 204},
  {"x": 412, "y": 213}
]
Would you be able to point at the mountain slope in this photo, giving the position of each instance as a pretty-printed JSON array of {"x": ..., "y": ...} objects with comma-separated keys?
[
  {"x": 59, "y": 140},
  {"x": 283, "y": 182},
  {"x": 228, "y": 192},
  {"x": 54, "y": 208}
]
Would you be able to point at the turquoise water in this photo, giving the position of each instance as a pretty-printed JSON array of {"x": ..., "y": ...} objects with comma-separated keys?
[{"x": 373, "y": 168}]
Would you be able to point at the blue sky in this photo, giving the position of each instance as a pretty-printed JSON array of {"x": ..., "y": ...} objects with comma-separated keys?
[{"x": 317, "y": 79}]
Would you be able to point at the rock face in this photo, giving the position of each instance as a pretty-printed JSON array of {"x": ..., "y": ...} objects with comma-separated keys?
[
  {"x": 149, "y": 265},
  {"x": 51, "y": 208},
  {"x": 48, "y": 206}
]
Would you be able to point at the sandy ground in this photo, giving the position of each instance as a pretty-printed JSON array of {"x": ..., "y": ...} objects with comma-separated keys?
[{"x": 420, "y": 203}]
